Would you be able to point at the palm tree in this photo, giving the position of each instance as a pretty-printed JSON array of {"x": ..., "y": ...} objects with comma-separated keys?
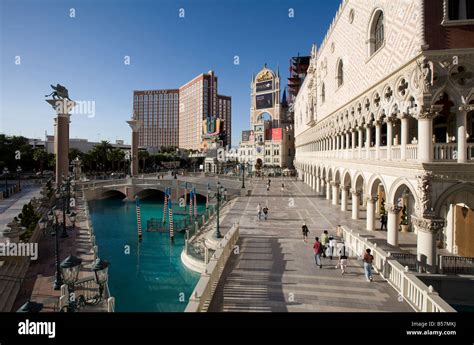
[
  {"x": 73, "y": 153},
  {"x": 100, "y": 152},
  {"x": 143, "y": 155},
  {"x": 116, "y": 155}
]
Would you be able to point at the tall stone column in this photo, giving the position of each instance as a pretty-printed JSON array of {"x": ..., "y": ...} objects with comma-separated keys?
[
  {"x": 355, "y": 203},
  {"x": 343, "y": 145},
  {"x": 378, "y": 127},
  {"x": 318, "y": 185},
  {"x": 338, "y": 138},
  {"x": 368, "y": 134},
  {"x": 347, "y": 141},
  {"x": 427, "y": 229},
  {"x": 135, "y": 125},
  {"x": 344, "y": 192},
  {"x": 335, "y": 192},
  {"x": 461, "y": 119},
  {"x": 389, "y": 137},
  {"x": 392, "y": 226},
  {"x": 404, "y": 137},
  {"x": 371, "y": 213},
  {"x": 425, "y": 133},
  {"x": 61, "y": 137},
  {"x": 328, "y": 190},
  {"x": 359, "y": 138}
]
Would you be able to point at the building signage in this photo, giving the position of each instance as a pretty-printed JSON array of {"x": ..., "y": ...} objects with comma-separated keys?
[
  {"x": 265, "y": 86},
  {"x": 264, "y": 101}
]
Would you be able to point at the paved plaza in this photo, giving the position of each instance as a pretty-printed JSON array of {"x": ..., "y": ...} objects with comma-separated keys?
[
  {"x": 275, "y": 270},
  {"x": 11, "y": 207}
]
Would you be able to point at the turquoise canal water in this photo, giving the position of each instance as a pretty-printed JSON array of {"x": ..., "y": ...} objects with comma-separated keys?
[{"x": 151, "y": 277}]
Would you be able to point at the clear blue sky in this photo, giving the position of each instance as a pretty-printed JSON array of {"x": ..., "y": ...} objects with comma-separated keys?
[{"x": 86, "y": 54}]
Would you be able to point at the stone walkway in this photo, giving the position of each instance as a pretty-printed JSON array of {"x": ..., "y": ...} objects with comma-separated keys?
[
  {"x": 40, "y": 276},
  {"x": 275, "y": 270},
  {"x": 11, "y": 207}
]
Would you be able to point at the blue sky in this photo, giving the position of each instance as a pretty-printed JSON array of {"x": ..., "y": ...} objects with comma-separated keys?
[{"x": 86, "y": 54}]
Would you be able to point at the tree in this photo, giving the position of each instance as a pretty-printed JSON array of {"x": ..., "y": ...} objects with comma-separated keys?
[
  {"x": 143, "y": 155},
  {"x": 41, "y": 156},
  {"x": 73, "y": 153},
  {"x": 116, "y": 155}
]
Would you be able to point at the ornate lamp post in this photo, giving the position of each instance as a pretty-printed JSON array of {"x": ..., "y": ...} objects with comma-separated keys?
[
  {"x": 18, "y": 170},
  {"x": 70, "y": 268},
  {"x": 221, "y": 194},
  {"x": 242, "y": 165},
  {"x": 5, "y": 172},
  {"x": 52, "y": 223},
  {"x": 30, "y": 307}
]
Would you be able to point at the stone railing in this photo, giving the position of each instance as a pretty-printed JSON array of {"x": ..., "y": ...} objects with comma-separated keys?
[
  {"x": 419, "y": 296},
  {"x": 202, "y": 295}
]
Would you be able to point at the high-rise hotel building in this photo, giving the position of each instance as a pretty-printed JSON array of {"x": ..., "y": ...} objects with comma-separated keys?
[
  {"x": 175, "y": 117},
  {"x": 158, "y": 109}
]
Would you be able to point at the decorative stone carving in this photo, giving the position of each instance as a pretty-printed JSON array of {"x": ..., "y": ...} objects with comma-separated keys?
[
  {"x": 395, "y": 209},
  {"x": 372, "y": 199},
  {"x": 356, "y": 192},
  {"x": 429, "y": 225},
  {"x": 424, "y": 190}
]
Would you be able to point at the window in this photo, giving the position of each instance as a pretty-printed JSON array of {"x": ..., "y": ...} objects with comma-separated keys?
[
  {"x": 460, "y": 9},
  {"x": 340, "y": 73},
  {"x": 323, "y": 93},
  {"x": 376, "y": 32}
]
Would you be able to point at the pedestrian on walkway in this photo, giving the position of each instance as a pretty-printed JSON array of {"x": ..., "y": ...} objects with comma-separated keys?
[
  {"x": 259, "y": 211},
  {"x": 332, "y": 246},
  {"x": 317, "y": 248},
  {"x": 383, "y": 221},
  {"x": 342, "y": 259},
  {"x": 269, "y": 182},
  {"x": 324, "y": 242},
  {"x": 265, "y": 212},
  {"x": 368, "y": 258},
  {"x": 268, "y": 187},
  {"x": 305, "y": 231},
  {"x": 282, "y": 187}
]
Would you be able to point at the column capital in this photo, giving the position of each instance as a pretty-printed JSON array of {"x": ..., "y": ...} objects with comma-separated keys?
[
  {"x": 334, "y": 184},
  {"x": 344, "y": 188},
  {"x": 135, "y": 125},
  {"x": 428, "y": 225},
  {"x": 367, "y": 125},
  {"x": 465, "y": 108},
  {"x": 394, "y": 209},
  {"x": 372, "y": 199},
  {"x": 428, "y": 113},
  {"x": 391, "y": 118},
  {"x": 355, "y": 192}
]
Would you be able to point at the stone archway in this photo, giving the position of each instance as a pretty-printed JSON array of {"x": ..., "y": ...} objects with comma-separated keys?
[{"x": 456, "y": 207}]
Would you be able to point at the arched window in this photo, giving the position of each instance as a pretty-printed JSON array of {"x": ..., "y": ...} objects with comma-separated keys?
[
  {"x": 323, "y": 93},
  {"x": 340, "y": 73},
  {"x": 376, "y": 32},
  {"x": 379, "y": 34}
]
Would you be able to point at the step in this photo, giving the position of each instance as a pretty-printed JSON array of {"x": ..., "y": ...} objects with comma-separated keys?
[{"x": 9, "y": 289}]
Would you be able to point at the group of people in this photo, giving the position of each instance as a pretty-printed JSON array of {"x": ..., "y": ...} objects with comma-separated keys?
[{"x": 326, "y": 247}]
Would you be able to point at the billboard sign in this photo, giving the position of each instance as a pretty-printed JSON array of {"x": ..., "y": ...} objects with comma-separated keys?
[
  {"x": 264, "y": 101},
  {"x": 264, "y": 86}
]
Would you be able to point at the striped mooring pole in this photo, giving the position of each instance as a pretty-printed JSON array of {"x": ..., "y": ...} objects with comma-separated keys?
[
  {"x": 170, "y": 214},
  {"x": 191, "y": 198},
  {"x": 195, "y": 203},
  {"x": 139, "y": 219},
  {"x": 165, "y": 205}
]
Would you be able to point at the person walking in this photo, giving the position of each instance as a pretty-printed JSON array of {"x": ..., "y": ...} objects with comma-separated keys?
[
  {"x": 265, "y": 212},
  {"x": 317, "y": 248},
  {"x": 268, "y": 187},
  {"x": 305, "y": 231},
  {"x": 259, "y": 211},
  {"x": 324, "y": 242},
  {"x": 368, "y": 258},
  {"x": 383, "y": 221},
  {"x": 342, "y": 259},
  {"x": 282, "y": 187}
]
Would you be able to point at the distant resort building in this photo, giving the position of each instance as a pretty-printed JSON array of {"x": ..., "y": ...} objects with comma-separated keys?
[{"x": 384, "y": 121}]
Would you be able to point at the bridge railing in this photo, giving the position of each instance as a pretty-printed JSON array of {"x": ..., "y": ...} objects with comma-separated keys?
[
  {"x": 456, "y": 264},
  {"x": 419, "y": 296},
  {"x": 203, "y": 293}
]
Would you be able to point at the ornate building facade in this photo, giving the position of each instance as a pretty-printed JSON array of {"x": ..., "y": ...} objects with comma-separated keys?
[
  {"x": 270, "y": 141},
  {"x": 384, "y": 121}
]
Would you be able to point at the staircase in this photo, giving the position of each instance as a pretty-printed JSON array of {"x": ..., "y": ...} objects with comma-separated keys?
[{"x": 12, "y": 272}]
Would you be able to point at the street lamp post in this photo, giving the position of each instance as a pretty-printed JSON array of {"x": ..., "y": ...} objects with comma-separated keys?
[
  {"x": 18, "y": 170},
  {"x": 243, "y": 174},
  {"x": 219, "y": 195},
  {"x": 52, "y": 224},
  {"x": 5, "y": 172}
]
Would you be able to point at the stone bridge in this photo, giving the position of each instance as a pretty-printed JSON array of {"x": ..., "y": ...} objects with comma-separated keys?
[{"x": 143, "y": 187}]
